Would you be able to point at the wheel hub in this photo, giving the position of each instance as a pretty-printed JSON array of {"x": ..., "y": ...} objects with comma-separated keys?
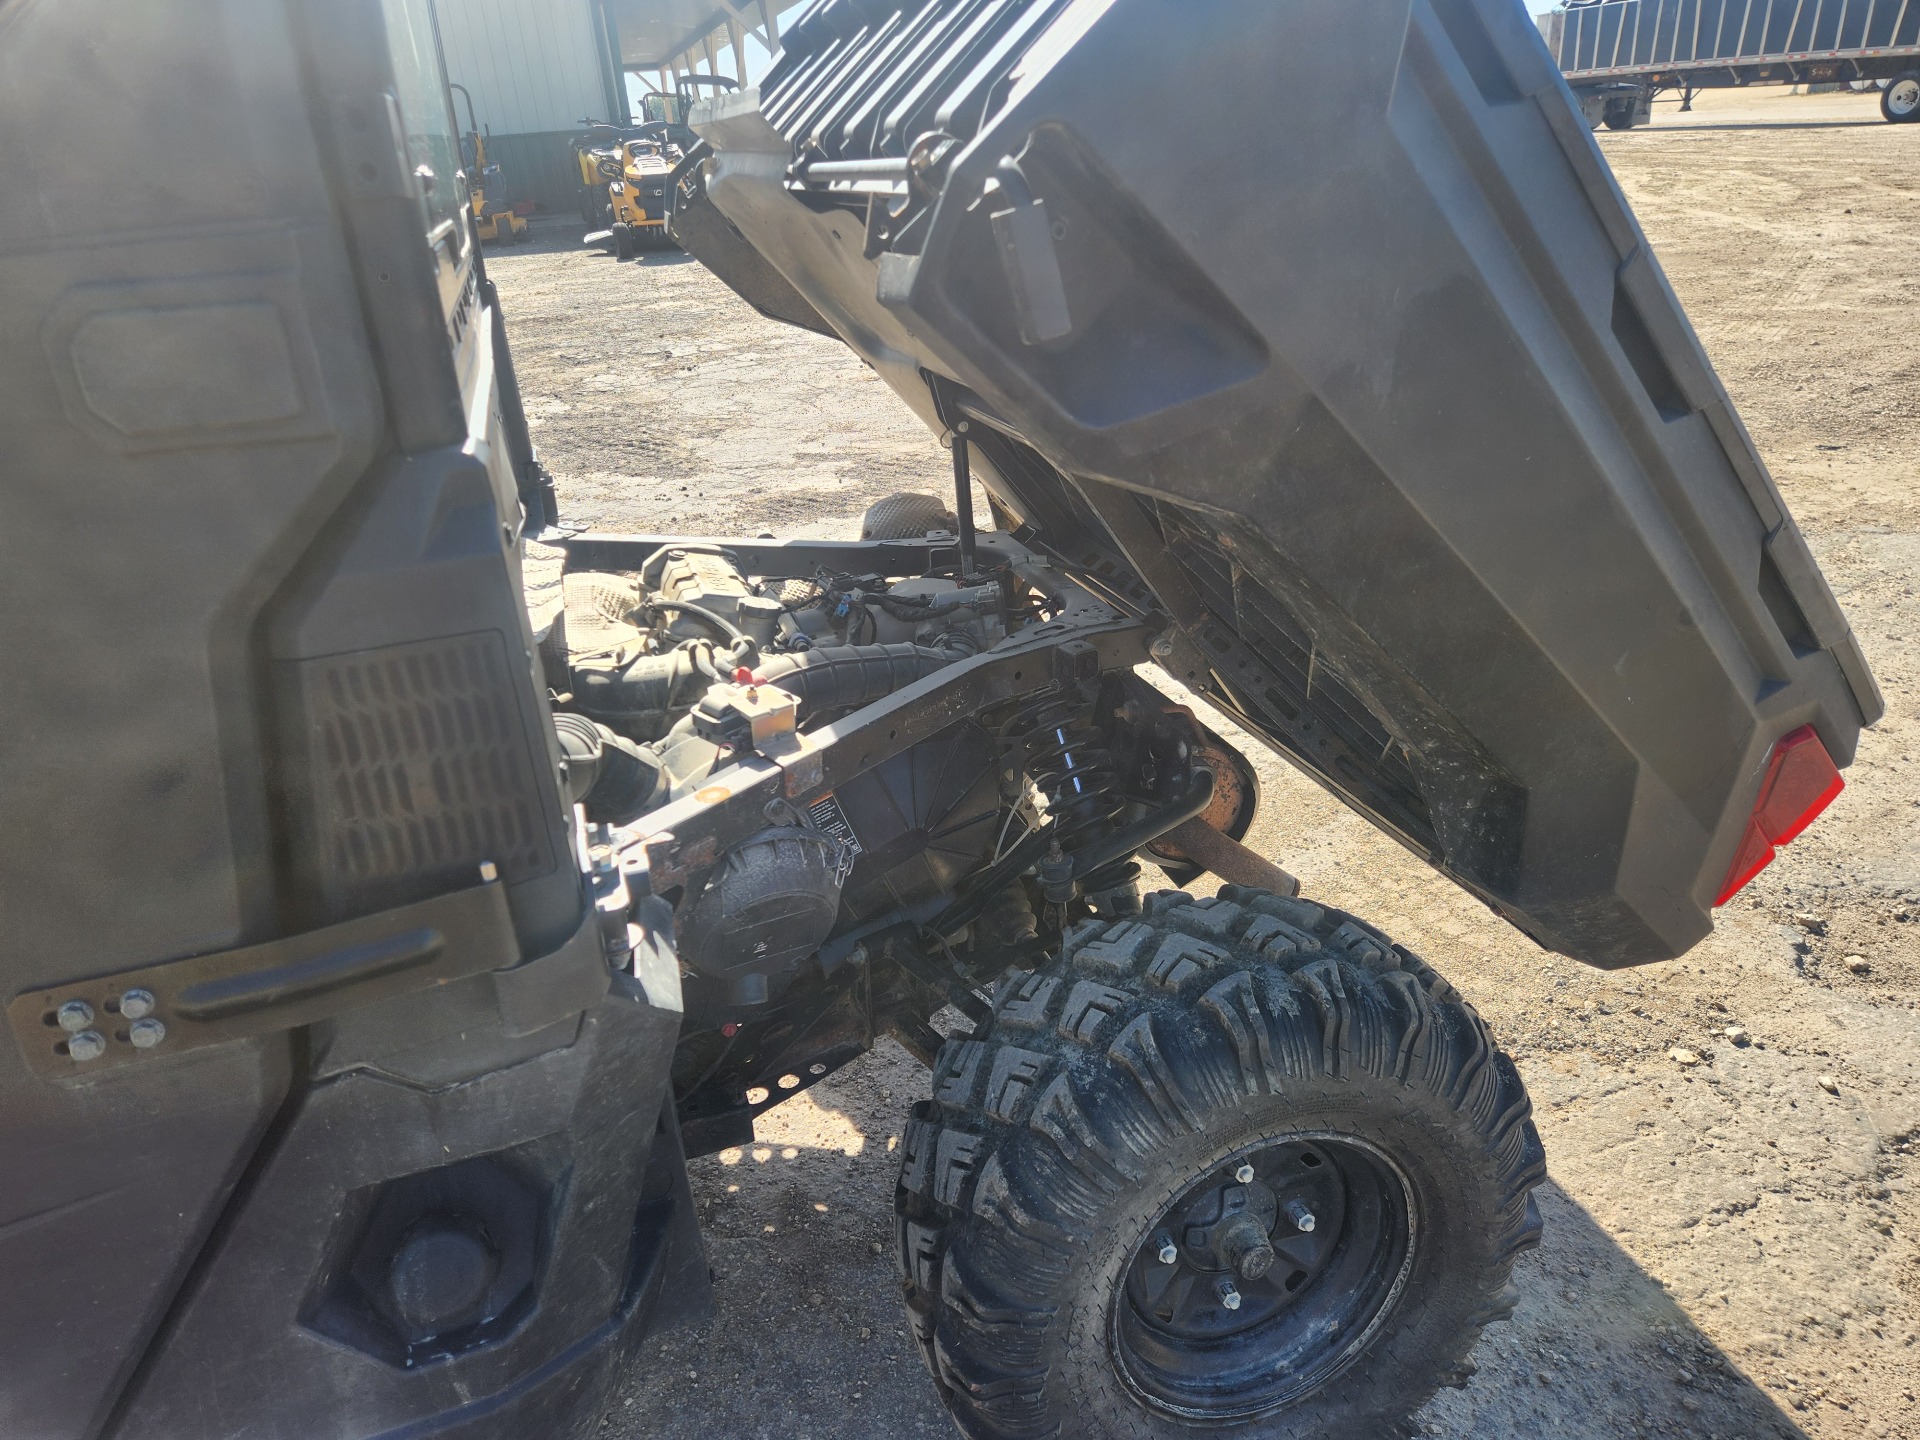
[
  {"x": 1246, "y": 1247},
  {"x": 1264, "y": 1278},
  {"x": 1246, "y": 1230},
  {"x": 1226, "y": 1222}
]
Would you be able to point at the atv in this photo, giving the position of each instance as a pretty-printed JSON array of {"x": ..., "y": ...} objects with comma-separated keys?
[{"x": 350, "y": 1088}]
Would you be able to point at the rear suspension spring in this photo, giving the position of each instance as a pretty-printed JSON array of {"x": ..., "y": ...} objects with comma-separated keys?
[{"x": 1066, "y": 754}]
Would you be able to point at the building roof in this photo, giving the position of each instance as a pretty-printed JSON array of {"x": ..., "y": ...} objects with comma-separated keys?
[{"x": 653, "y": 32}]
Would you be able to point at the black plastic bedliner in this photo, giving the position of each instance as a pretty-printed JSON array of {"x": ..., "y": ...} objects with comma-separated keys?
[{"x": 1330, "y": 320}]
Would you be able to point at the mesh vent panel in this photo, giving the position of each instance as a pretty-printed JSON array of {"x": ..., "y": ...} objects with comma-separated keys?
[{"x": 421, "y": 769}]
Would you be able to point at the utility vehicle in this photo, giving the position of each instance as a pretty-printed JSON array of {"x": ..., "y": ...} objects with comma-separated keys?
[{"x": 373, "y": 965}]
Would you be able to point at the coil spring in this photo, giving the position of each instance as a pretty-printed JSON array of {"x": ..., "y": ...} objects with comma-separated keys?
[{"x": 1066, "y": 754}]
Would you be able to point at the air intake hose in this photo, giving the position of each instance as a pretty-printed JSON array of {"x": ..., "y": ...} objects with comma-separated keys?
[
  {"x": 848, "y": 676},
  {"x": 613, "y": 777},
  {"x": 646, "y": 696}
]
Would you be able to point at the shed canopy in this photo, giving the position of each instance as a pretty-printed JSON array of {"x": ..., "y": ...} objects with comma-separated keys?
[{"x": 654, "y": 33}]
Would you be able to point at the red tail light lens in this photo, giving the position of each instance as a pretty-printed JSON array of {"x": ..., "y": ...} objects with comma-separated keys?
[{"x": 1802, "y": 780}]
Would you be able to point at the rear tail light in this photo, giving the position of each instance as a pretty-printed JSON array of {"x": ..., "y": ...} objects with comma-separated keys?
[{"x": 1802, "y": 780}]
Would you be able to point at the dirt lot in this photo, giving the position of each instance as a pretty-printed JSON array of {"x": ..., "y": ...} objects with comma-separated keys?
[{"x": 1732, "y": 1244}]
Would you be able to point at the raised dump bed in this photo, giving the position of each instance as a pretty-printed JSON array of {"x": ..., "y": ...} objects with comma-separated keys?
[{"x": 1363, "y": 376}]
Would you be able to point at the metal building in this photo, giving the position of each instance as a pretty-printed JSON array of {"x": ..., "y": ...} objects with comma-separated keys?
[{"x": 535, "y": 68}]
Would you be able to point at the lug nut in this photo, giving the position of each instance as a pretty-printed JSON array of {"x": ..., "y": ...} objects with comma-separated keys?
[
  {"x": 1229, "y": 1296},
  {"x": 137, "y": 1004},
  {"x": 87, "y": 1045},
  {"x": 1300, "y": 1215},
  {"x": 74, "y": 1016},
  {"x": 1169, "y": 1252},
  {"x": 1244, "y": 1174},
  {"x": 145, "y": 1034}
]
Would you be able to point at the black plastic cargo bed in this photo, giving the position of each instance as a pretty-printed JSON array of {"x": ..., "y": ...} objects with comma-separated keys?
[{"x": 1327, "y": 322}]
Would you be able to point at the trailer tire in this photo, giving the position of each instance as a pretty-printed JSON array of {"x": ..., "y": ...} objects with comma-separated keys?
[
  {"x": 1199, "y": 1070},
  {"x": 1900, "y": 101},
  {"x": 1619, "y": 116}
]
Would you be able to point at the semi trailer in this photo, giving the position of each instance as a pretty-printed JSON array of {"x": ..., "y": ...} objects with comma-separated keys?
[{"x": 1618, "y": 55}]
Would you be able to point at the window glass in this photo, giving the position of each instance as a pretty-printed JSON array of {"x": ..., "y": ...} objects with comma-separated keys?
[{"x": 433, "y": 142}]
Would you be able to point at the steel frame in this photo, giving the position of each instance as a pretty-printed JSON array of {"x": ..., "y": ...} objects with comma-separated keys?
[{"x": 700, "y": 54}]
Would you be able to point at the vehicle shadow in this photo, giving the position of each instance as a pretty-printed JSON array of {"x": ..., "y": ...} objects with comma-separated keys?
[
  {"x": 809, "y": 1341},
  {"x": 1598, "y": 1350},
  {"x": 546, "y": 235},
  {"x": 557, "y": 234}
]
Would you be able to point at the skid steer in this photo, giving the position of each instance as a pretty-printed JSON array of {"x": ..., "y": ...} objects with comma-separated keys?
[{"x": 372, "y": 967}]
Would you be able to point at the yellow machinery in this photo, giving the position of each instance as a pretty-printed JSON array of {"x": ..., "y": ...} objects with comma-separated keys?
[
  {"x": 598, "y": 154},
  {"x": 634, "y": 169},
  {"x": 640, "y": 197},
  {"x": 626, "y": 189},
  {"x": 624, "y": 183},
  {"x": 494, "y": 222}
]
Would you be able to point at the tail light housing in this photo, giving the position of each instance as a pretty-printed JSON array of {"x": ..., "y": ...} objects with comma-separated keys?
[{"x": 1802, "y": 781}]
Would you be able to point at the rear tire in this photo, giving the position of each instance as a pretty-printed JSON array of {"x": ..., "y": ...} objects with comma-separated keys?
[
  {"x": 1900, "y": 101},
  {"x": 1101, "y": 1119}
]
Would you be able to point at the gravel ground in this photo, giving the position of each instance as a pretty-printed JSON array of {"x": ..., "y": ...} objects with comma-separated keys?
[{"x": 1731, "y": 1218}]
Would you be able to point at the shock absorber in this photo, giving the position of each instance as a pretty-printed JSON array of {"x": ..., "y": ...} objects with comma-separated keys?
[{"x": 1065, "y": 752}]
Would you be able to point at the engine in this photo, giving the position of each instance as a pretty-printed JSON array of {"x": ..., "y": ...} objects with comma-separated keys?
[
  {"x": 664, "y": 676},
  {"x": 957, "y": 830}
]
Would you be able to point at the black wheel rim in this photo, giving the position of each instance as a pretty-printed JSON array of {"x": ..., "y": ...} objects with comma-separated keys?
[{"x": 1254, "y": 1311}]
